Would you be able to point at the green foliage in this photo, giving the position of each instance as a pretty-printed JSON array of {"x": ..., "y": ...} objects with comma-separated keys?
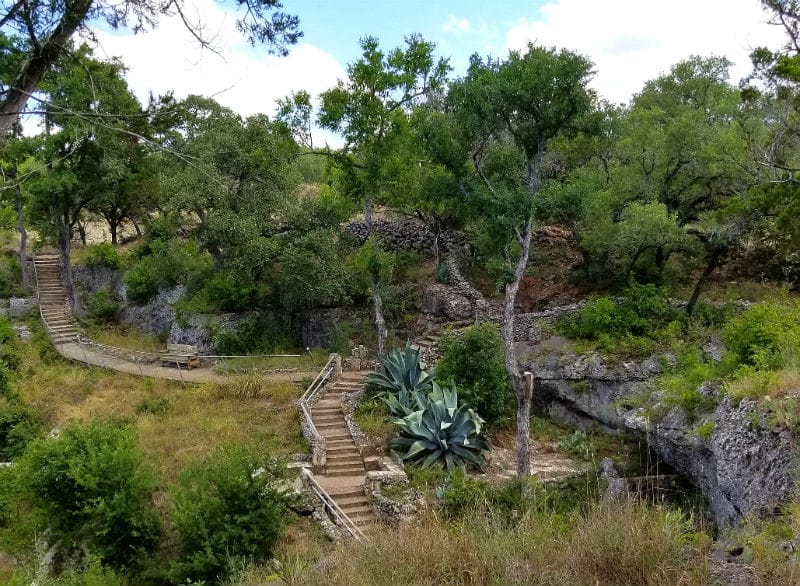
[
  {"x": 441, "y": 432},
  {"x": 340, "y": 337},
  {"x": 229, "y": 506},
  {"x": 313, "y": 272},
  {"x": 91, "y": 488},
  {"x": 226, "y": 291},
  {"x": 463, "y": 497},
  {"x": 261, "y": 333},
  {"x": 441, "y": 273},
  {"x": 578, "y": 445},
  {"x": 643, "y": 309},
  {"x": 164, "y": 264},
  {"x": 402, "y": 371},
  {"x": 18, "y": 427},
  {"x": 705, "y": 430},
  {"x": 766, "y": 336},
  {"x": 474, "y": 362},
  {"x": 154, "y": 405},
  {"x": 102, "y": 306},
  {"x": 102, "y": 255}
]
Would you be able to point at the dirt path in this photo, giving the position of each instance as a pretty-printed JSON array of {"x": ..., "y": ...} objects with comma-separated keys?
[{"x": 76, "y": 352}]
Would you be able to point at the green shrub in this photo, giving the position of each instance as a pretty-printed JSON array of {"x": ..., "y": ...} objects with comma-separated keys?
[
  {"x": 229, "y": 506},
  {"x": 165, "y": 264},
  {"x": 474, "y": 362},
  {"x": 578, "y": 445},
  {"x": 153, "y": 406},
  {"x": 102, "y": 306},
  {"x": 766, "y": 336},
  {"x": 9, "y": 345},
  {"x": 18, "y": 427},
  {"x": 91, "y": 488},
  {"x": 262, "y": 333},
  {"x": 340, "y": 337},
  {"x": 102, "y": 255},
  {"x": 442, "y": 273},
  {"x": 643, "y": 310}
]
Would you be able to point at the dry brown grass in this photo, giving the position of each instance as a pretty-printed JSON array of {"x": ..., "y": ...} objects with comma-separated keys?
[
  {"x": 176, "y": 425},
  {"x": 621, "y": 544},
  {"x": 121, "y": 336},
  {"x": 196, "y": 422}
]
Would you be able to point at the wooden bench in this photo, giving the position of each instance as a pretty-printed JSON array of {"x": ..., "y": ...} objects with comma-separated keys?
[{"x": 180, "y": 355}]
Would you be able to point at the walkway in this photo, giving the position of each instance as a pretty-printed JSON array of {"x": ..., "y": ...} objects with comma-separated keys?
[
  {"x": 65, "y": 335},
  {"x": 345, "y": 475}
]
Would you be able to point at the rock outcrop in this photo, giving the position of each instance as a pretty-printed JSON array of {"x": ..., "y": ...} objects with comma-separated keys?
[{"x": 745, "y": 465}]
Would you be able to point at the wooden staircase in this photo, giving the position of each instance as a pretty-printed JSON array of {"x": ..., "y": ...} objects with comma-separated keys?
[
  {"x": 344, "y": 473},
  {"x": 53, "y": 299}
]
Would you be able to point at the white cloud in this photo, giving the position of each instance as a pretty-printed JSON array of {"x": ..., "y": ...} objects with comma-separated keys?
[
  {"x": 455, "y": 24},
  {"x": 632, "y": 41},
  {"x": 244, "y": 79}
]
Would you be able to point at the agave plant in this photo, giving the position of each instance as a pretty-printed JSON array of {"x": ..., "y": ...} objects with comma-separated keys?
[
  {"x": 441, "y": 431},
  {"x": 402, "y": 371},
  {"x": 403, "y": 403}
]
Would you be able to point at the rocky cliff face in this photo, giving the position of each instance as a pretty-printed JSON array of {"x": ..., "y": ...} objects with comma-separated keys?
[{"x": 744, "y": 466}]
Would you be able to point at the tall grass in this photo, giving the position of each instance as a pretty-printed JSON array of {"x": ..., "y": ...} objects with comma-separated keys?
[{"x": 625, "y": 543}]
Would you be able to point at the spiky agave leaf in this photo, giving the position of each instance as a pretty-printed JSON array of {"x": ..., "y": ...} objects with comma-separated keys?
[
  {"x": 441, "y": 431},
  {"x": 402, "y": 371}
]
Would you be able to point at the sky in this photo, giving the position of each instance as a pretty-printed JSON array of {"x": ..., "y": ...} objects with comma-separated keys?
[{"x": 629, "y": 41}]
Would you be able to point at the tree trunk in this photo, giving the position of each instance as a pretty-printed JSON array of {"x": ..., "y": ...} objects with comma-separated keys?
[
  {"x": 35, "y": 67},
  {"x": 713, "y": 263},
  {"x": 523, "y": 426},
  {"x": 216, "y": 259},
  {"x": 23, "y": 240},
  {"x": 368, "y": 215},
  {"x": 512, "y": 368},
  {"x": 112, "y": 228},
  {"x": 64, "y": 252},
  {"x": 82, "y": 232},
  {"x": 380, "y": 323},
  {"x": 137, "y": 227}
]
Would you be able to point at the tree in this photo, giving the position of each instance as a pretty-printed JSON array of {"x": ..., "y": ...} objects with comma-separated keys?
[
  {"x": 370, "y": 110},
  {"x": 91, "y": 486},
  {"x": 493, "y": 139},
  {"x": 79, "y": 161},
  {"x": 234, "y": 176},
  {"x": 38, "y": 34},
  {"x": 16, "y": 154}
]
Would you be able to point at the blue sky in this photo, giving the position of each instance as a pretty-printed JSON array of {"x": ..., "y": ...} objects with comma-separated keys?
[
  {"x": 336, "y": 26},
  {"x": 630, "y": 42}
]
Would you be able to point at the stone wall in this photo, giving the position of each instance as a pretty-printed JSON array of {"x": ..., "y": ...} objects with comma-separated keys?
[
  {"x": 745, "y": 466},
  {"x": 406, "y": 235}
]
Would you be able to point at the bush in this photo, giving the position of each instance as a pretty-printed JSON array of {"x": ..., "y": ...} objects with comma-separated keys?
[
  {"x": 91, "y": 488},
  {"x": 9, "y": 346},
  {"x": 765, "y": 336},
  {"x": 102, "y": 255},
  {"x": 166, "y": 264},
  {"x": 579, "y": 445},
  {"x": 229, "y": 506},
  {"x": 18, "y": 427},
  {"x": 643, "y": 310},
  {"x": 103, "y": 306},
  {"x": 474, "y": 362}
]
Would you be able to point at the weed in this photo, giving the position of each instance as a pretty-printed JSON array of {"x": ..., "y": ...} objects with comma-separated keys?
[{"x": 705, "y": 431}]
